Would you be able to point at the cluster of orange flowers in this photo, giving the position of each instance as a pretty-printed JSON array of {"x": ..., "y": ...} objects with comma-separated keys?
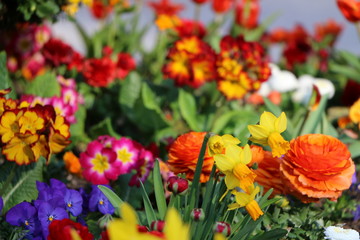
[
  {"x": 30, "y": 132},
  {"x": 310, "y": 167},
  {"x": 241, "y": 67},
  {"x": 191, "y": 62}
]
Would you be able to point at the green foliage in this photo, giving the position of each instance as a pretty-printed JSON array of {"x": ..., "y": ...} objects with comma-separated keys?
[
  {"x": 5, "y": 81},
  {"x": 44, "y": 85},
  {"x": 18, "y": 183},
  {"x": 114, "y": 199}
]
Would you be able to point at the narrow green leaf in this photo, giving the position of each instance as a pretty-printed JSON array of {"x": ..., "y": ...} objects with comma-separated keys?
[
  {"x": 351, "y": 59},
  {"x": 354, "y": 148},
  {"x": 314, "y": 117},
  {"x": 113, "y": 198},
  {"x": 159, "y": 191},
  {"x": 273, "y": 234},
  {"x": 187, "y": 105},
  {"x": 194, "y": 189},
  {"x": 149, "y": 210},
  {"x": 347, "y": 71},
  {"x": 44, "y": 85}
]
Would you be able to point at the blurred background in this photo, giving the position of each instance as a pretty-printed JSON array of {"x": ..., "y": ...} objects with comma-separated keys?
[{"x": 288, "y": 13}]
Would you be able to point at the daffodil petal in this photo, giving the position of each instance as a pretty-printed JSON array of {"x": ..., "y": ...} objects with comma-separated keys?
[
  {"x": 229, "y": 139},
  {"x": 267, "y": 119},
  {"x": 281, "y": 123},
  {"x": 246, "y": 154},
  {"x": 224, "y": 163},
  {"x": 259, "y": 132},
  {"x": 231, "y": 181}
]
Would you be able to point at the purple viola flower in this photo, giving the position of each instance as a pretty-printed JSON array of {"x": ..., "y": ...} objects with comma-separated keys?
[
  {"x": 49, "y": 211},
  {"x": 357, "y": 213},
  {"x": 73, "y": 202},
  {"x": 99, "y": 202},
  {"x": 23, "y": 215}
]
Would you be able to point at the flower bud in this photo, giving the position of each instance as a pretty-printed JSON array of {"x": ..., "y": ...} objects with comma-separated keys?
[
  {"x": 177, "y": 185},
  {"x": 197, "y": 214},
  {"x": 157, "y": 225},
  {"x": 223, "y": 228},
  {"x": 104, "y": 220}
]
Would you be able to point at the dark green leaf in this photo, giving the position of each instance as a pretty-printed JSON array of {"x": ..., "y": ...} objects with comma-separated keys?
[
  {"x": 47, "y": 9},
  {"x": 149, "y": 210},
  {"x": 354, "y": 148},
  {"x": 103, "y": 128},
  {"x": 314, "y": 117}
]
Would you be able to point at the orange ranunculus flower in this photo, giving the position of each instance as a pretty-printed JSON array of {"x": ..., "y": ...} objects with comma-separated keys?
[
  {"x": 257, "y": 154},
  {"x": 184, "y": 153},
  {"x": 268, "y": 174},
  {"x": 354, "y": 112},
  {"x": 317, "y": 166},
  {"x": 350, "y": 9}
]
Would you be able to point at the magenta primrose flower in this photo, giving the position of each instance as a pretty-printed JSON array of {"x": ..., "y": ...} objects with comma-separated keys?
[
  {"x": 100, "y": 164},
  {"x": 127, "y": 152}
]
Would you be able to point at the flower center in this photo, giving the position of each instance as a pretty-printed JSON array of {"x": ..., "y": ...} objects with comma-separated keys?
[
  {"x": 124, "y": 155},
  {"x": 51, "y": 218},
  {"x": 101, "y": 202},
  {"x": 100, "y": 163}
]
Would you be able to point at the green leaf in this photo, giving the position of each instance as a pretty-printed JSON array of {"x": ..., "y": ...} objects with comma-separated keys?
[
  {"x": 103, "y": 128},
  {"x": 351, "y": 59},
  {"x": 187, "y": 105},
  {"x": 113, "y": 198},
  {"x": 273, "y": 234},
  {"x": 347, "y": 71},
  {"x": 149, "y": 98},
  {"x": 130, "y": 91},
  {"x": 47, "y": 9},
  {"x": 354, "y": 148},
  {"x": 4, "y": 75},
  {"x": 314, "y": 117},
  {"x": 44, "y": 85},
  {"x": 149, "y": 210},
  {"x": 159, "y": 191},
  {"x": 23, "y": 186}
]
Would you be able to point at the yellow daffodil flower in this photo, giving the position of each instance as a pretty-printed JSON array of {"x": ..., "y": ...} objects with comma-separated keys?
[
  {"x": 247, "y": 200},
  {"x": 233, "y": 165},
  {"x": 268, "y": 133},
  {"x": 217, "y": 144},
  {"x": 126, "y": 228}
]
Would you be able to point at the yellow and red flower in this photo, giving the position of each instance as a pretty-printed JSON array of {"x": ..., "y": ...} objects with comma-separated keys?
[
  {"x": 184, "y": 153},
  {"x": 241, "y": 67},
  {"x": 30, "y": 132},
  {"x": 190, "y": 62},
  {"x": 317, "y": 166}
]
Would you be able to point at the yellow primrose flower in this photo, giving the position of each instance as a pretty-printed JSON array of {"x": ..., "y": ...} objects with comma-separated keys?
[
  {"x": 233, "y": 165},
  {"x": 9, "y": 125},
  {"x": 30, "y": 122},
  {"x": 268, "y": 133},
  {"x": 217, "y": 144},
  {"x": 18, "y": 149},
  {"x": 247, "y": 200}
]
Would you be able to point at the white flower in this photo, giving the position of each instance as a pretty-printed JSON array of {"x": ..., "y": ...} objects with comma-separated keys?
[
  {"x": 306, "y": 85},
  {"x": 282, "y": 80},
  {"x": 339, "y": 233}
]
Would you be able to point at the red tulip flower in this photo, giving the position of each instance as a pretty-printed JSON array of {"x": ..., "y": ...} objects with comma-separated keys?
[
  {"x": 350, "y": 9},
  {"x": 247, "y": 13},
  {"x": 221, "y": 6}
]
